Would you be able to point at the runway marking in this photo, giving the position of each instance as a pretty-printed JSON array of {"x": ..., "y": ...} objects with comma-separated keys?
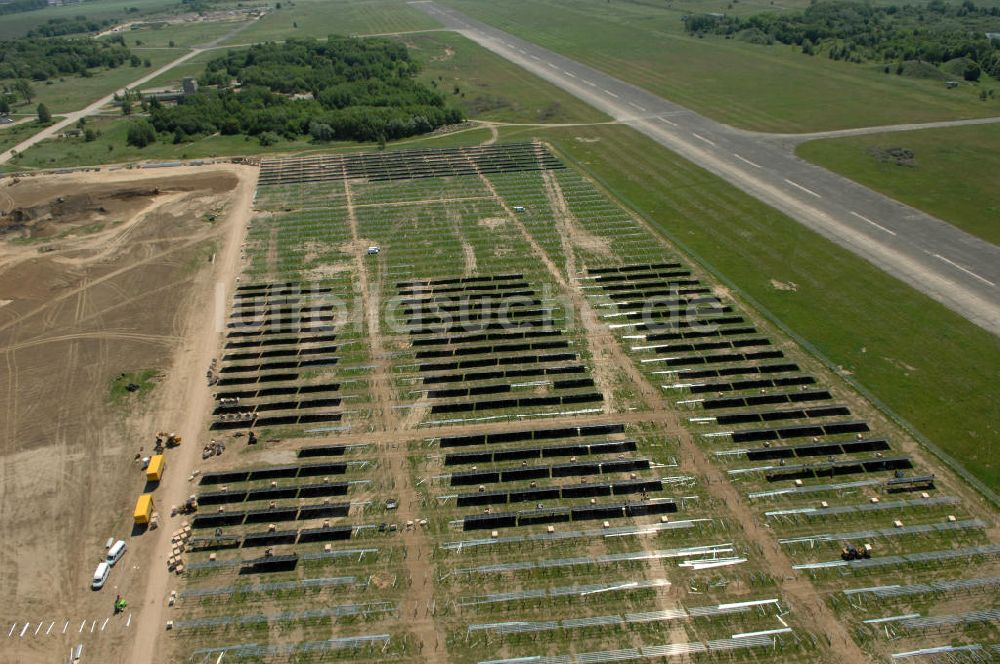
[
  {"x": 878, "y": 226},
  {"x": 611, "y": 93},
  {"x": 635, "y": 105},
  {"x": 966, "y": 270},
  {"x": 799, "y": 186},
  {"x": 534, "y": 57},
  {"x": 522, "y": 51},
  {"x": 590, "y": 83},
  {"x": 746, "y": 161},
  {"x": 672, "y": 124},
  {"x": 552, "y": 65},
  {"x": 702, "y": 138},
  {"x": 569, "y": 73}
]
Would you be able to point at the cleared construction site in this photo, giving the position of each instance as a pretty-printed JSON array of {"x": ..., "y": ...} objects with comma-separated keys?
[{"x": 462, "y": 406}]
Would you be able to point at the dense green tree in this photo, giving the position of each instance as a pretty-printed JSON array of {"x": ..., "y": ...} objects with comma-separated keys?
[
  {"x": 140, "y": 133},
  {"x": 44, "y": 116}
]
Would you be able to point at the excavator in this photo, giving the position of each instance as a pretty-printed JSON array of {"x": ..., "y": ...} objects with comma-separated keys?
[{"x": 851, "y": 552}]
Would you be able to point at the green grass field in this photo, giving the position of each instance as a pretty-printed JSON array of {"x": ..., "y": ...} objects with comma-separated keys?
[
  {"x": 765, "y": 88},
  {"x": 956, "y": 176},
  {"x": 322, "y": 18},
  {"x": 491, "y": 88},
  {"x": 874, "y": 327},
  {"x": 16, "y": 25},
  {"x": 182, "y": 34}
]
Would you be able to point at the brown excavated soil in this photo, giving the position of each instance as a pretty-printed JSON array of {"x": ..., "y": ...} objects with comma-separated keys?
[{"x": 100, "y": 274}]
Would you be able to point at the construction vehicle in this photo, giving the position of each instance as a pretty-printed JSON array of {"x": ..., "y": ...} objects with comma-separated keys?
[
  {"x": 190, "y": 506},
  {"x": 154, "y": 471},
  {"x": 144, "y": 507},
  {"x": 166, "y": 440},
  {"x": 851, "y": 552}
]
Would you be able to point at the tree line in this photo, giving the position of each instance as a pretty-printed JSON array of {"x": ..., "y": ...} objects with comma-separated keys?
[
  {"x": 40, "y": 59},
  {"x": 937, "y": 32},
  {"x": 340, "y": 89},
  {"x": 18, "y": 6},
  {"x": 58, "y": 27}
]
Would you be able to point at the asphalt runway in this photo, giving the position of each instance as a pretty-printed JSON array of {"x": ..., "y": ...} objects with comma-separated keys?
[{"x": 951, "y": 266}]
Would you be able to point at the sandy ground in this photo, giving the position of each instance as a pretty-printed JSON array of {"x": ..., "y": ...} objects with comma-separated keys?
[{"x": 122, "y": 285}]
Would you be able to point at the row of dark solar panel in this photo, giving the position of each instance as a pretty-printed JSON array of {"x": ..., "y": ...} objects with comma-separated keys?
[
  {"x": 328, "y": 402},
  {"x": 763, "y": 399},
  {"x": 282, "y": 341},
  {"x": 628, "y": 487},
  {"x": 271, "y": 538},
  {"x": 265, "y": 333},
  {"x": 277, "y": 293},
  {"x": 777, "y": 415},
  {"x": 549, "y": 451},
  {"x": 470, "y": 327},
  {"x": 662, "y": 296},
  {"x": 529, "y": 333},
  {"x": 589, "y": 513},
  {"x": 279, "y": 391},
  {"x": 686, "y": 322},
  {"x": 284, "y": 364},
  {"x": 273, "y": 472},
  {"x": 662, "y": 270},
  {"x": 818, "y": 449},
  {"x": 485, "y": 350},
  {"x": 722, "y": 358},
  {"x": 632, "y": 268},
  {"x": 321, "y": 451},
  {"x": 653, "y": 311},
  {"x": 523, "y": 402},
  {"x": 273, "y": 515},
  {"x": 280, "y": 352},
  {"x": 524, "y": 472},
  {"x": 249, "y": 314},
  {"x": 503, "y": 388},
  {"x": 510, "y": 373},
  {"x": 504, "y": 314},
  {"x": 244, "y": 288},
  {"x": 702, "y": 334},
  {"x": 273, "y": 493},
  {"x": 532, "y": 434},
  {"x": 840, "y": 468},
  {"x": 724, "y": 344},
  {"x": 800, "y": 431},
  {"x": 751, "y": 384},
  {"x": 280, "y": 420},
  {"x": 740, "y": 370},
  {"x": 270, "y": 322},
  {"x": 264, "y": 299},
  {"x": 640, "y": 285},
  {"x": 498, "y": 362}
]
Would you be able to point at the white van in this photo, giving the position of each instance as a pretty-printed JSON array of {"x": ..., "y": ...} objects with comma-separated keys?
[
  {"x": 100, "y": 576},
  {"x": 116, "y": 551}
]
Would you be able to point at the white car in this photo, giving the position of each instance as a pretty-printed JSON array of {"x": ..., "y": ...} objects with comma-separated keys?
[
  {"x": 100, "y": 576},
  {"x": 116, "y": 552}
]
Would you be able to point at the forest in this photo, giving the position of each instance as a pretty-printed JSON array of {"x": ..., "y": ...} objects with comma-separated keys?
[
  {"x": 18, "y": 6},
  {"x": 340, "y": 89},
  {"x": 57, "y": 27},
  {"x": 937, "y": 33},
  {"x": 40, "y": 59}
]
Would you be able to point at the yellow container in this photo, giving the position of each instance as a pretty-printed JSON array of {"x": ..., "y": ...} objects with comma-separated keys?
[
  {"x": 143, "y": 509},
  {"x": 154, "y": 471}
]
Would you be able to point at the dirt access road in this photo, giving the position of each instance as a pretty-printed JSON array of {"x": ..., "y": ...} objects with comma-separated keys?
[
  {"x": 124, "y": 285},
  {"x": 956, "y": 269}
]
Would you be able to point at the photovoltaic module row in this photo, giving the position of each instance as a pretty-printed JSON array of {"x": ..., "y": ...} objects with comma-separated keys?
[
  {"x": 562, "y": 515},
  {"x": 410, "y": 164},
  {"x": 628, "y": 487},
  {"x": 561, "y": 450},
  {"x": 532, "y": 434}
]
